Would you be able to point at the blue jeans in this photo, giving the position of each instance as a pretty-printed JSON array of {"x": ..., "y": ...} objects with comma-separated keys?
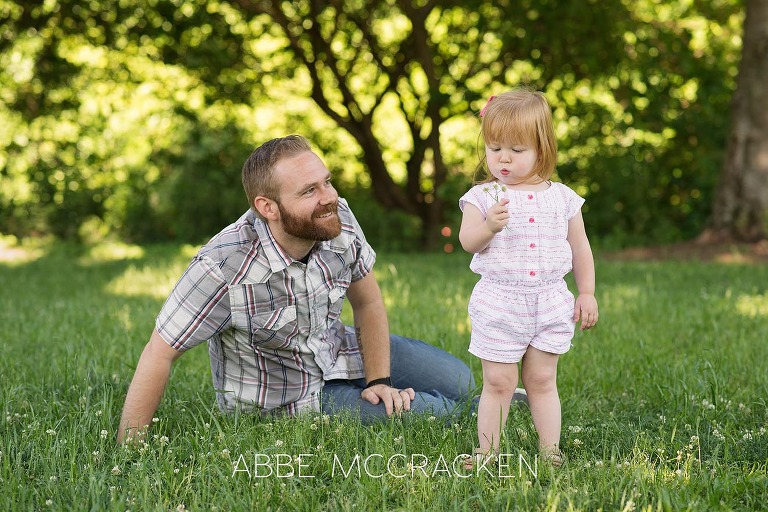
[{"x": 442, "y": 382}]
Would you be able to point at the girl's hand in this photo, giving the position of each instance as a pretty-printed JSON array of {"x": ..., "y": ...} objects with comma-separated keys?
[
  {"x": 497, "y": 216},
  {"x": 586, "y": 310}
]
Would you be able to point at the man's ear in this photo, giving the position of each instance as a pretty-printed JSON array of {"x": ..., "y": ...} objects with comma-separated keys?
[{"x": 266, "y": 207}]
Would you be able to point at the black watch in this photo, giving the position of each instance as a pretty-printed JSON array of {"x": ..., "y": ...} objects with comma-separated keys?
[{"x": 382, "y": 380}]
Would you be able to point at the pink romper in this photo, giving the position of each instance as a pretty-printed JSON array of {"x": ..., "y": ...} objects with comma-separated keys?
[{"x": 522, "y": 298}]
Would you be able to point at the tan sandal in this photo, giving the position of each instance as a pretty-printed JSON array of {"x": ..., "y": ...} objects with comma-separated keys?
[
  {"x": 552, "y": 455},
  {"x": 481, "y": 458}
]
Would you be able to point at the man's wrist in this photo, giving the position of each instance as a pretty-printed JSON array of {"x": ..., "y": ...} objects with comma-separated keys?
[{"x": 383, "y": 380}]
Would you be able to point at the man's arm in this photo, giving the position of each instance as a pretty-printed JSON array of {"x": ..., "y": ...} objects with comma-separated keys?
[
  {"x": 147, "y": 387},
  {"x": 372, "y": 330}
]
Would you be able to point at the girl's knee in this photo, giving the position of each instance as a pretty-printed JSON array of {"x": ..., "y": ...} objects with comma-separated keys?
[{"x": 540, "y": 379}]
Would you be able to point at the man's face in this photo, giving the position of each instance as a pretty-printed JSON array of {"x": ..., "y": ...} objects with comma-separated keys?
[{"x": 308, "y": 202}]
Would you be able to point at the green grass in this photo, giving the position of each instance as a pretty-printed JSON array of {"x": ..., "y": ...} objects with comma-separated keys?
[{"x": 664, "y": 403}]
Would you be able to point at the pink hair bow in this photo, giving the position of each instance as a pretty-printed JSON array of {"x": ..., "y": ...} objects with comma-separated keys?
[{"x": 482, "y": 112}]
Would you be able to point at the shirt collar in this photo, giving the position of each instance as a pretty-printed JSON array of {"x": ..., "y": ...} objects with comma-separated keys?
[{"x": 279, "y": 259}]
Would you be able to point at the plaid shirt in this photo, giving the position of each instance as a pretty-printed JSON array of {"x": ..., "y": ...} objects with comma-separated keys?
[{"x": 271, "y": 322}]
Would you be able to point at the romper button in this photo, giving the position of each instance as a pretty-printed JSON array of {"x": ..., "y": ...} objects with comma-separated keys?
[
  {"x": 530, "y": 220},
  {"x": 530, "y": 196},
  {"x": 533, "y": 273},
  {"x": 533, "y": 246}
]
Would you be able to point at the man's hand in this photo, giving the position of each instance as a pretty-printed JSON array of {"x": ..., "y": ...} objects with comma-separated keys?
[{"x": 395, "y": 400}]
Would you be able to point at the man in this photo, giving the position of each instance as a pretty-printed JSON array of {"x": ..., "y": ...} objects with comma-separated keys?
[{"x": 266, "y": 294}]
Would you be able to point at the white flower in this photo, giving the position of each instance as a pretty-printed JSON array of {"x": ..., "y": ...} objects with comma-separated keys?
[
  {"x": 279, "y": 443},
  {"x": 103, "y": 434},
  {"x": 116, "y": 470}
]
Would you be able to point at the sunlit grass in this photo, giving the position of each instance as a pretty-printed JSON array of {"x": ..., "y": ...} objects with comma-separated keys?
[{"x": 664, "y": 403}]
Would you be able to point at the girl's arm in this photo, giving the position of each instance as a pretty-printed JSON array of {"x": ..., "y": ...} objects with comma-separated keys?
[
  {"x": 583, "y": 272},
  {"x": 477, "y": 231}
]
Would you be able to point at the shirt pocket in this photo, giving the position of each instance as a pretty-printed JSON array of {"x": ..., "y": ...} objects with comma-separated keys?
[
  {"x": 262, "y": 324},
  {"x": 335, "y": 303},
  {"x": 274, "y": 328}
]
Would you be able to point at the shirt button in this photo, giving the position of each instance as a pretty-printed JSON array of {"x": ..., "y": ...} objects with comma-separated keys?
[
  {"x": 532, "y": 273},
  {"x": 530, "y": 196},
  {"x": 533, "y": 246},
  {"x": 531, "y": 220}
]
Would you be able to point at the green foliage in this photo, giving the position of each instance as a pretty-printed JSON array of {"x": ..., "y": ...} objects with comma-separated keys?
[
  {"x": 133, "y": 118},
  {"x": 664, "y": 402}
]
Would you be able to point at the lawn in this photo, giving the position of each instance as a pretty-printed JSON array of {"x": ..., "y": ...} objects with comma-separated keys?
[{"x": 664, "y": 403}]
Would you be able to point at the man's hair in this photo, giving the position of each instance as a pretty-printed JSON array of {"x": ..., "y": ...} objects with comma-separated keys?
[
  {"x": 258, "y": 170},
  {"x": 521, "y": 116}
]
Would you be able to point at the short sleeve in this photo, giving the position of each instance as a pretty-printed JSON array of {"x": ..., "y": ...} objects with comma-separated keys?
[
  {"x": 573, "y": 201},
  {"x": 475, "y": 197},
  {"x": 365, "y": 255},
  {"x": 197, "y": 308}
]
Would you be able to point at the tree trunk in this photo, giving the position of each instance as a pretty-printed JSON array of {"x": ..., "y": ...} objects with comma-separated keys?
[{"x": 741, "y": 201}]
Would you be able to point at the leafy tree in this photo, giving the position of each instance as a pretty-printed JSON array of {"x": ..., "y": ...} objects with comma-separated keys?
[
  {"x": 741, "y": 201},
  {"x": 124, "y": 115}
]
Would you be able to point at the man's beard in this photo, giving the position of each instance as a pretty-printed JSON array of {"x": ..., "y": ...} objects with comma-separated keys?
[{"x": 312, "y": 228}]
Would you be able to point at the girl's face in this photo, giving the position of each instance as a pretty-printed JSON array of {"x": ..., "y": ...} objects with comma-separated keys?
[{"x": 511, "y": 164}]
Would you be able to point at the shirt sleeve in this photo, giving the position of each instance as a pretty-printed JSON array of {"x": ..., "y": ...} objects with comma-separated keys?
[
  {"x": 573, "y": 202},
  {"x": 474, "y": 197},
  {"x": 197, "y": 308},
  {"x": 366, "y": 256}
]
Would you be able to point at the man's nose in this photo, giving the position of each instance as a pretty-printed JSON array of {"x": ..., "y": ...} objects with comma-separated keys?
[{"x": 329, "y": 195}]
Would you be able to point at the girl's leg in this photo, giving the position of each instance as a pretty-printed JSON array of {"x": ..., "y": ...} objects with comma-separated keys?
[
  {"x": 499, "y": 383},
  {"x": 540, "y": 381}
]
